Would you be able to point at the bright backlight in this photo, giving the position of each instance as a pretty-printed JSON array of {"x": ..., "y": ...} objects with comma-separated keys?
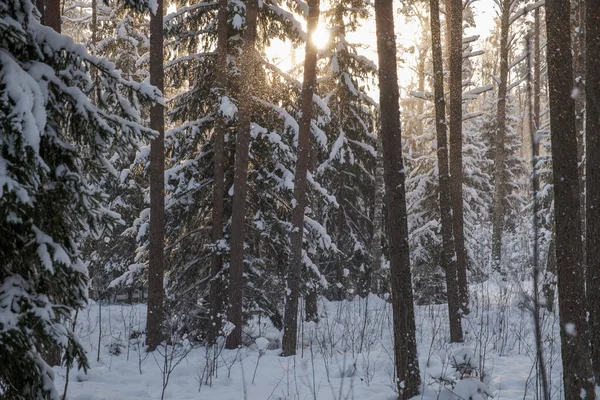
[{"x": 320, "y": 37}]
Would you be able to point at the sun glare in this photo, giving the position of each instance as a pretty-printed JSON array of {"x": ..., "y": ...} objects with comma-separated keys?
[{"x": 320, "y": 37}]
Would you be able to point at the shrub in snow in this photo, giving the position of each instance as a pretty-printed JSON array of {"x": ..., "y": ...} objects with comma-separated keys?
[
  {"x": 467, "y": 381},
  {"x": 464, "y": 361},
  {"x": 52, "y": 144}
]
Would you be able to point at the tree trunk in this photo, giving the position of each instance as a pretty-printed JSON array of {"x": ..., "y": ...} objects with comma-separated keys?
[
  {"x": 157, "y": 187},
  {"x": 405, "y": 346},
  {"x": 592, "y": 172},
  {"x": 454, "y": 7},
  {"x": 536, "y": 76},
  {"x": 375, "y": 267},
  {"x": 300, "y": 185},
  {"x": 500, "y": 152},
  {"x": 50, "y": 13},
  {"x": 578, "y": 15},
  {"x": 577, "y": 369},
  {"x": 238, "y": 212},
  {"x": 448, "y": 260},
  {"x": 216, "y": 283},
  {"x": 311, "y": 305}
]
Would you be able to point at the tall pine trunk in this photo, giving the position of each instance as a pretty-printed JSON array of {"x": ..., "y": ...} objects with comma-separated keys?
[
  {"x": 592, "y": 172},
  {"x": 405, "y": 346},
  {"x": 300, "y": 185},
  {"x": 577, "y": 370},
  {"x": 216, "y": 283},
  {"x": 50, "y": 10},
  {"x": 499, "y": 143},
  {"x": 448, "y": 260},
  {"x": 454, "y": 8},
  {"x": 238, "y": 212},
  {"x": 157, "y": 187},
  {"x": 578, "y": 29}
]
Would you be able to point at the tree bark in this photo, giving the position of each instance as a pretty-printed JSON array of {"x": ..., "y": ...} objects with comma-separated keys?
[
  {"x": 455, "y": 7},
  {"x": 50, "y": 13},
  {"x": 300, "y": 185},
  {"x": 238, "y": 212},
  {"x": 577, "y": 370},
  {"x": 376, "y": 252},
  {"x": 500, "y": 152},
  {"x": 405, "y": 347},
  {"x": 216, "y": 283},
  {"x": 578, "y": 15},
  {"x": 50, "y": 16},
  {"x": 157, "y": 188},
  {"x": 592, "y": 171},
  {"x": 448, "y": 260}
]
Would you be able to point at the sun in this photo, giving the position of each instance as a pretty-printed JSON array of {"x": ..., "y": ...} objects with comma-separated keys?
[{"x": 320, "y": 37}]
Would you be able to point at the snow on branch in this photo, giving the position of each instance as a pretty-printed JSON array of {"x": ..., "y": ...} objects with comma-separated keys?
[{"x": 525, "y": 10}]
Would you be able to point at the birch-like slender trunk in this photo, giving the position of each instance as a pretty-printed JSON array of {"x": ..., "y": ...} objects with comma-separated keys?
[
  {"x": 294, "y": 275},
  {"x": 238, "y": 213},
  {"x": 448, "y": 260}
]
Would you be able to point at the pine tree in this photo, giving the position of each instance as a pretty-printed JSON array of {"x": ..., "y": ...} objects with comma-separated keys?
[
  {"x": 156, "y": 256},
  {"x": 405, "y": 347},
  {"x": 454, "y": 14},
  {"x": 592, "y": 169},
  {"x": 300, "y": 184},
  {"x": 578, "y": 374},
  {"x": 51, "y": 165},
  {"x": 448, "y": 259},
  {"x": 347, "y": 166}
]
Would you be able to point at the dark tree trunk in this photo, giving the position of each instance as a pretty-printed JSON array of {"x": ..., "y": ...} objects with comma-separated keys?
[
  {"x": 157, "y": 188},
  {"x": 454, "y": 7},
  {"x": 405, "y": 346},
  {"x": 51, "y": 13},
  {"x": 300, "y": 185},
  {"x": 376, "y": 252},
  {"x": 578, "y": 28},
  {"x": 592, "y": 172},
  {"x": 216, "y": 283},
  {"x": 448, "y": 260},
  {"x": 577, "y": 370},
  {"x": 499, "y": 150},
  {"x": 311, "y": 307},
  {"x": 50, "y": 10},
  {"x": 238, "y": 212}
]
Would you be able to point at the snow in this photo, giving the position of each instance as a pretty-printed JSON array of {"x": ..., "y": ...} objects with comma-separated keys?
[
  {"x": 332, "y": 360},
  {"x": 28, "y": 108}
]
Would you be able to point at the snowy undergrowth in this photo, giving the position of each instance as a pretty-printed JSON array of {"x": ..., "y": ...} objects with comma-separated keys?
[{"x": 344, "y": 356}]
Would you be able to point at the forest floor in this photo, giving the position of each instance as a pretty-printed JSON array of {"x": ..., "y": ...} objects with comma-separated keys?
[{"x": 344, "y": 356}]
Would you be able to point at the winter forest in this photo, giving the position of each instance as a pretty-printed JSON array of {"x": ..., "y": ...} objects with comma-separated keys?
[{"x": 299, "y": 199}]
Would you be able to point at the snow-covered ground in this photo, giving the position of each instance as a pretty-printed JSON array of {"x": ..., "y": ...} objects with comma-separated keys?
[{"x": 344, "y": 356}]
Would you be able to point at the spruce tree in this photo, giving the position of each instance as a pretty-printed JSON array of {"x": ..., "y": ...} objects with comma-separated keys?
[{"x": 52, "y": 159}]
